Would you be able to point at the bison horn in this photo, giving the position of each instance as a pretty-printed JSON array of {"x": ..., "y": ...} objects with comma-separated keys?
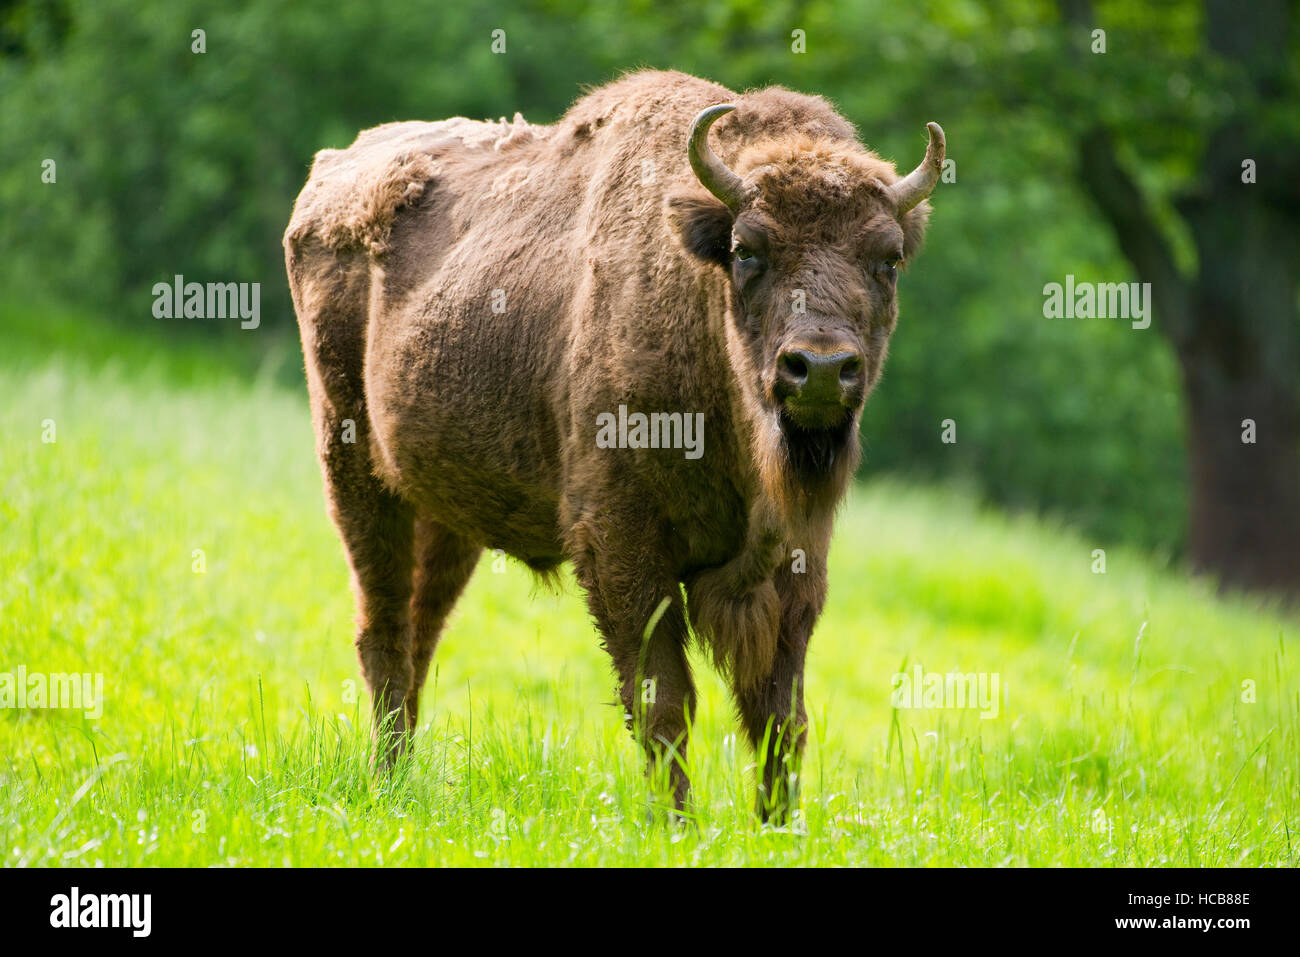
[
  {"x": 920, "y": 183},
  {"x": 712, "y": 173}
]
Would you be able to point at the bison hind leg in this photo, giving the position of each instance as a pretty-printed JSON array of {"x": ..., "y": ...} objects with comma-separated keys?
[
  {"x": 377, "y": 529},
  {"x": 444, "y": 563},
  {"x": 377, "y": 533}
]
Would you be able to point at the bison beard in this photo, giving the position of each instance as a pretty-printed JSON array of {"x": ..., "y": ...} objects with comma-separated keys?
[
  {"x": 472, "y": 296},
  {"x": 813, "y": 453}
]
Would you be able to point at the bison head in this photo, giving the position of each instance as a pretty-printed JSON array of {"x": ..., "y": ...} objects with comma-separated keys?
[{"x": 812, "y": 233}]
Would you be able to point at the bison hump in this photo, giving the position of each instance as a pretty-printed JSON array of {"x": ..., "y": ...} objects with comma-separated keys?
[{"x": 353, "y": 195}]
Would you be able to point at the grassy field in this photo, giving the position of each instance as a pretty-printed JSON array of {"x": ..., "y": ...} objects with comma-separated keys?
[{"x": 233, "y": 728}]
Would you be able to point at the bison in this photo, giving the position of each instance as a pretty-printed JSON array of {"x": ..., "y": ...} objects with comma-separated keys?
[{"x": 509, "y": 330}]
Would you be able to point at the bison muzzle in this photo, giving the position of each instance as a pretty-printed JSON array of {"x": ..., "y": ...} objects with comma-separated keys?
[{"x": 475, "y": 298}]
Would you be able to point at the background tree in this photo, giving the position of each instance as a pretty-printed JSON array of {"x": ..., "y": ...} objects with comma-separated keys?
[
  {"x": 1231, "y": 312},
  {"x": 1184, "y": 124}
]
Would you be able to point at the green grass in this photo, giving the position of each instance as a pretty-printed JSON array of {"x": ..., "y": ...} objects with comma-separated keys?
[{"x": 233, "y": 730}]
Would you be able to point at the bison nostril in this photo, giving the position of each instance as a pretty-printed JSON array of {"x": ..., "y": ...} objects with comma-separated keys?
[
  {"x": 793, "y": 366},
  {"x": 813, "y": 377}
]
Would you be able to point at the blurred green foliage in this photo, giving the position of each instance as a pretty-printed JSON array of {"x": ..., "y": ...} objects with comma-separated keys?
[{"x": 171, "y": 162}]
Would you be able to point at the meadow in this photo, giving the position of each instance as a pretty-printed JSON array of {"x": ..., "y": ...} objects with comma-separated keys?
[{"x": 172, "y": 537}]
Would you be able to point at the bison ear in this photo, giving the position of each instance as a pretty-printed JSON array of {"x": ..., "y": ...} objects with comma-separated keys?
[
  {"x": 914, "y": 223},
  {"x": 703, "y": 226}
]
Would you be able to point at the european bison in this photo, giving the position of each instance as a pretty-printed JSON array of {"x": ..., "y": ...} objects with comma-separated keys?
[{"x": 603, "y": 342}]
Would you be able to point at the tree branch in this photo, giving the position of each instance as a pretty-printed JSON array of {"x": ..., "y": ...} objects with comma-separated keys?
[
  {"x": 1122, "y": 204},
  {"x": 1120, "y": 200}
]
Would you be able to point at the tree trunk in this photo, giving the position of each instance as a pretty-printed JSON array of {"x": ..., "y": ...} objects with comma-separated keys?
[
  {"x": 1240, "y": 355},
  {"x": 1245, "y": 498}
]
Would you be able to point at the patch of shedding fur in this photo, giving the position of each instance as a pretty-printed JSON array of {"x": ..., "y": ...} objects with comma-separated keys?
[{"x": 354, "y": 195}]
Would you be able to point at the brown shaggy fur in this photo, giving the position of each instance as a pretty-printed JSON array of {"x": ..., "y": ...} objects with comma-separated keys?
[{"x": 471, "y": 296}]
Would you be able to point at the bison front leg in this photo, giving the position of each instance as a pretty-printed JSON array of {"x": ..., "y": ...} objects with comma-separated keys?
[
  {"x": 643, "y": 626},
  {"x": 772, "y": 709},
  {"x": 775, "y": 722}
]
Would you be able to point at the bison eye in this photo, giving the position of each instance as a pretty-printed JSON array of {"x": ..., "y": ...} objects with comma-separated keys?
[{"x": 743, "y": 253}]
